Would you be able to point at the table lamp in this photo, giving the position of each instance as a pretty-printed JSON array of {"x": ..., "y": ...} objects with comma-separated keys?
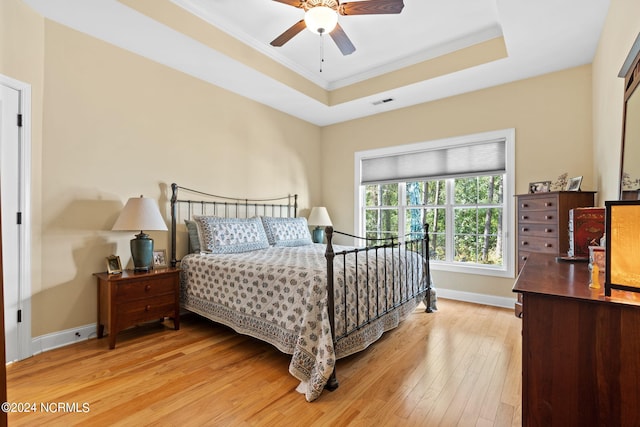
[
  {"x": 140, "y": 213},
  {"x": 320, "y": 218}
]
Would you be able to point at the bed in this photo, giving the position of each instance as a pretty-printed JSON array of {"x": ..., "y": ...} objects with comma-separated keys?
[{"x": 251, "y": 265}]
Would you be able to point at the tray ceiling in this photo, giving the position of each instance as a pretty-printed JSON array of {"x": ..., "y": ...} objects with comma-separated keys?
[{"x": 430, "y": 51}]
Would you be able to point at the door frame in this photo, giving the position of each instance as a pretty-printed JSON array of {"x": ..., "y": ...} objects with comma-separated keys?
[{"x": 24, "y": 293}]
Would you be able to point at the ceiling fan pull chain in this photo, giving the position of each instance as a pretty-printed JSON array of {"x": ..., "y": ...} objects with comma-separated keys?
[{"x": 321, "y": 49}]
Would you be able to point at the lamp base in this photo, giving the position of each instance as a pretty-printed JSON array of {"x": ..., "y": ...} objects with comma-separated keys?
[
  {"x": 142, "y": 252},
  {"x": 318, "y": 235}
]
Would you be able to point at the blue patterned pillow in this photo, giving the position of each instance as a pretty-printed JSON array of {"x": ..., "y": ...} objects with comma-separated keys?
[
  {"x": 194, "y": 239},
  {"x": 230, "y": 235},
  {"x": 287, "y": 231}
]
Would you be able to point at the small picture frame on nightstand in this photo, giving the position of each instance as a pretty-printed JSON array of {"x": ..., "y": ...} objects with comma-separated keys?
[
  {"x": 160, "y": 258},
  {"x": 113, "y": 264}
]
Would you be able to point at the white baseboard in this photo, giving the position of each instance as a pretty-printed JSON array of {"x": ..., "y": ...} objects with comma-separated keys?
[
  {"x": 62, "y": 338},
  {"x": 82, "y": 333},
  {"x": 476, "y": 298}
]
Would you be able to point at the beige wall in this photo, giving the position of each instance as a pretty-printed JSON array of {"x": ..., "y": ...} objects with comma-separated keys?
[
  {"x": 552, "y": 118},
  {"x": 108, "y": 125},
  {"x": 116, "y": 125},
  {"x": 620, "y": 31},
  {"x": 22, "y": 58}
]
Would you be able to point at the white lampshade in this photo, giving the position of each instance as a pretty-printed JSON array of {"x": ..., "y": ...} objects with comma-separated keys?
[
  {"x": 321, "y": 19},
  {"x": 140, "y": 213},
  {"x": 319, "y": 216}
]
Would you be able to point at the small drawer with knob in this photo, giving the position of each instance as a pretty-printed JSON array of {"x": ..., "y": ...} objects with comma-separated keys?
[
  {"x": 537, "y": 203},
  {"x": 537, "y": 229},
  {"x": 143, "y": 310},
  {"x": 538, "y": 216},
  {"x": 522, "y": 258},
  {"x": 144, "y": 287},
  {"x": 537, "y": 244}
]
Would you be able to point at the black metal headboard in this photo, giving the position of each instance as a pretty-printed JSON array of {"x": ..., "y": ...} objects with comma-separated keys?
[{"x": 228, "y": 207}]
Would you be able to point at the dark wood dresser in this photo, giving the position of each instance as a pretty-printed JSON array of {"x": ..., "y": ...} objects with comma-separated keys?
[
  {"x": 580, "y": 349},
  {"x": 543, "y": 223}
]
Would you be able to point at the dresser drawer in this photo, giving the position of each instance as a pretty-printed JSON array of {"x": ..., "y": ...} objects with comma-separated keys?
[
  {"x": 537, "y": 203},
  {"x": 537, "y": 244},
  {"x": 537, "y": 216},
  {"x": 132, "y": 312},
  {"x": 145, "y": 288},
  {"x": 542, "y": 221},
  {"x": 525, "y": 230},
  {"x": 522, "y": 258}
]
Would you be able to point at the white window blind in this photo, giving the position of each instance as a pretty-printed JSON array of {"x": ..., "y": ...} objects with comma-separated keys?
[{"x": 484, "y": 158}]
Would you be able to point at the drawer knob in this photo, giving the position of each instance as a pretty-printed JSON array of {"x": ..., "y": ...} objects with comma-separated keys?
[
  {"x": 147, "y": 288},
  {"x": 147, "y": 308},
  {"x": 525, "y": 217},
  {"x": 524, "y": 205},
  {"x": 547, "y": 245},
  {"x": 547, "y": 204},
  {"x": 548, "y": 230},
  {"x": 525, "y": 243},
  {"x": 548, "y": 217},
  {"x": 525, "y": 229},
  {"x": 524, "y": 258}
]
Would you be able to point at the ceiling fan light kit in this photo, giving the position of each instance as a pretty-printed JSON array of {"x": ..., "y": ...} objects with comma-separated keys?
[{"x": 321, "y": 17}]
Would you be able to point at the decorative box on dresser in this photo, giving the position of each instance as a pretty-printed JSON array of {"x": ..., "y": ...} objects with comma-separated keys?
[
  {"x": 580, "y": 363},
  {"x": 130, "y": 298},
  {"x": 543, "y": 224}
]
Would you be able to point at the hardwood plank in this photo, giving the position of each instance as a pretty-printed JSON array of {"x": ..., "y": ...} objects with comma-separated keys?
[{"x": 460, "y": 365}]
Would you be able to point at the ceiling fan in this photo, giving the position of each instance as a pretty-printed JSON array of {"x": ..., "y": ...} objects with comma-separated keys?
[{"x": 321, "y": 17}]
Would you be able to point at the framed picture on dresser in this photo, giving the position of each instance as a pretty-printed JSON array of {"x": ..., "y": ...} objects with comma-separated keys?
[
  {"x": 574, "y": 184},
  {"x": 540, "y": 187}
]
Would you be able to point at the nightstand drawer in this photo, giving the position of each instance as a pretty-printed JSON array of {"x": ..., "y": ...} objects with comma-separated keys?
[
  {"x": 145, "y": 288},
  {"x": 147, "y": 309}
]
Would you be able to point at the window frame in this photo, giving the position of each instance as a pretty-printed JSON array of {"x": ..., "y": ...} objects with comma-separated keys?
[{"x": 508, "y": 242}]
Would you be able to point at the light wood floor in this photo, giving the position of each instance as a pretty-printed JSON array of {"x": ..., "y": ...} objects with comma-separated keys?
[{"x": 458, "y": 366}]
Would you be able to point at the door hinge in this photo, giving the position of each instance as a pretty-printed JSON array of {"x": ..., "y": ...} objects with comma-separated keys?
[
  {"x": 19, "y": 316},
  {"x": 19, "y": 120},
  {"x": 19, "y": 218}
]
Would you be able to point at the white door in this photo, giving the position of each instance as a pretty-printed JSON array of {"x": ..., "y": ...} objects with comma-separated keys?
[{"x": 10, "y": 195}]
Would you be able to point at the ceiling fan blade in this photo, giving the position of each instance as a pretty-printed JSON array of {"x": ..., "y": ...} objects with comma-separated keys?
[
  {"x": 342, "y": 41},
  {"x": 289, "y": 34},
  {"x": 371, "y": 7},
  {"x": 294, "y": 3}
]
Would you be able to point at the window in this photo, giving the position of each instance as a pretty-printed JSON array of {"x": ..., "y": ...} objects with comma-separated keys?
[{"x": 462, "y": 188}]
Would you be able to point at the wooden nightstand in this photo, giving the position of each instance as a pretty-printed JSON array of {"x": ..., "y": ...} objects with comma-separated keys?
[{"x": 131, "y": 298}]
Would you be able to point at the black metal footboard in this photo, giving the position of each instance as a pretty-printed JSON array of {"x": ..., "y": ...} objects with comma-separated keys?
[{"x": 388, "y": 274}]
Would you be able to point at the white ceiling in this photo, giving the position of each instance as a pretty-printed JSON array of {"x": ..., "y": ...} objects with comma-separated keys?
[
  {"x": 541, "y": 36},
  {"x": 383, "y": 42}
]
